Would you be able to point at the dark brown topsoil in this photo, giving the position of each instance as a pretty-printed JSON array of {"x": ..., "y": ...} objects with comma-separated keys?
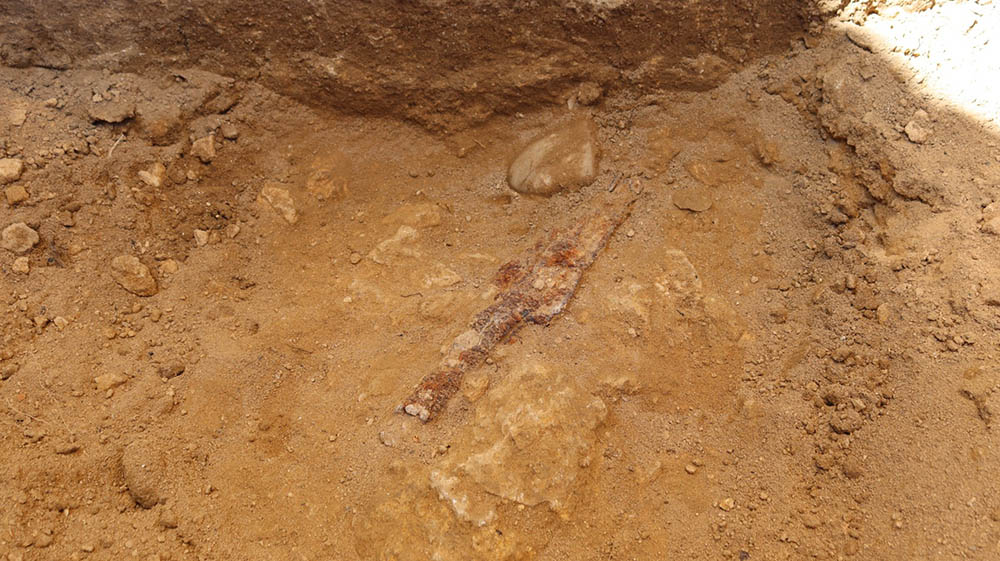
[{"x": 443, "y": 64}]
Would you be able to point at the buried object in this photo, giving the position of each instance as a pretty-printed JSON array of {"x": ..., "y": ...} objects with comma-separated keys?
[{"x": 534, "y": 290}]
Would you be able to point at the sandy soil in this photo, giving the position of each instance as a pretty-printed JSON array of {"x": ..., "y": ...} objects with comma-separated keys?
[{"x": 215, "y": 297}]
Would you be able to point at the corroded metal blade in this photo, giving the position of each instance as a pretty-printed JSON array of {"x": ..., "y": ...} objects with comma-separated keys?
[{"x": 534, "y": 290}]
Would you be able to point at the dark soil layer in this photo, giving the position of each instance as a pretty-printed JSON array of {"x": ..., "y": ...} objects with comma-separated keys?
[{"x": 443, "y": 64}]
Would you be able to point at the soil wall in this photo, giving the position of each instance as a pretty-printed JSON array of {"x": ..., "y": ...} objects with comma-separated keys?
[{"x": 445, "y": 64}]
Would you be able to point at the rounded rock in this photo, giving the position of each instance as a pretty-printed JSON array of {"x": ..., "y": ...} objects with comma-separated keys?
[{"x": 566, "y": 157}]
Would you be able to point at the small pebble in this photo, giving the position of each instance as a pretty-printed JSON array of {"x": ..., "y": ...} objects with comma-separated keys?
[
  {"x": 171, "y": 370},
  {"x": 44, "y": 540},
  {"x": 837, "y": 217},
  {"x": 916, "y": 132},
  {"x": 109, "y": 381},
  {"x": 18, "y": 238},
  {"x": 10, "y": 170},
  {"x": 169, "y": 267},
  {"x": 67, "y": 448},
  {"x": 204, "y": 149},
  {"x": 167, "y": 519},
  {"x": 882, "y": 314},
  {"x": 134, "y": 276},
  {"x": 143, "y": 465},
  {"x": 281, "y": 200},
  {"x": 229, "y": 131},
  {"x": 16, "y": 194},
  {"x": 8, "y": 370},
  {"x": 154, "y": 176}
]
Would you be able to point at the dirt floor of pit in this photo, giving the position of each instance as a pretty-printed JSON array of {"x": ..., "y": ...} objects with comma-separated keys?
[{"x": 797, "y": 364}]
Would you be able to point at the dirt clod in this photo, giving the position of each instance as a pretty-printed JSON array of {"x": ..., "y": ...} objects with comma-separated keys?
[
  {"x": 7, "y": 370},
  {"x": 695, "y": 199},
  {"x": 171, "y": 370},
  {"x": 917, "y": 132},
  {"x": 144, "y": 469},
  {"x": 133, "y": 275},
  {"x": 167, "y": 518},
  {"x": 21, "y": 265},
  {"x": 981, "y": 388},
  {"x": 229, "y": 131},
  {"x": 15, "y": 195},
  {"x": 18, "y": 238},
  {"x": 66, "y": 448},
  {"x": 112, "y": 112},
  {"x": 204, "y": 149},
  {"x": 589, "y": 93},
  {"x": 846, "y": 421},
  {"x": 281, "y": 200},
  {"x": 10, "y": 170},
  {"x": 154, "y": 176},
  {"x": 110, "y": 380}
]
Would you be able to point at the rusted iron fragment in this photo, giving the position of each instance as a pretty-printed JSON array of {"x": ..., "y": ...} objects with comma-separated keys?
[{"x": 535, "y": 291}]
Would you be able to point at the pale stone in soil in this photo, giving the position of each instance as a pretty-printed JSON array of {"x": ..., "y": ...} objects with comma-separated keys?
[
  {"x": 10, "y": 170},
  {"x": 18, "y": 238},
  {"x": 132, "y": 275}
]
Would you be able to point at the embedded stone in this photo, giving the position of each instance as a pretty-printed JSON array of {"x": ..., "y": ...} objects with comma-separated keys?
[{"x": 565, "y": 158}]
